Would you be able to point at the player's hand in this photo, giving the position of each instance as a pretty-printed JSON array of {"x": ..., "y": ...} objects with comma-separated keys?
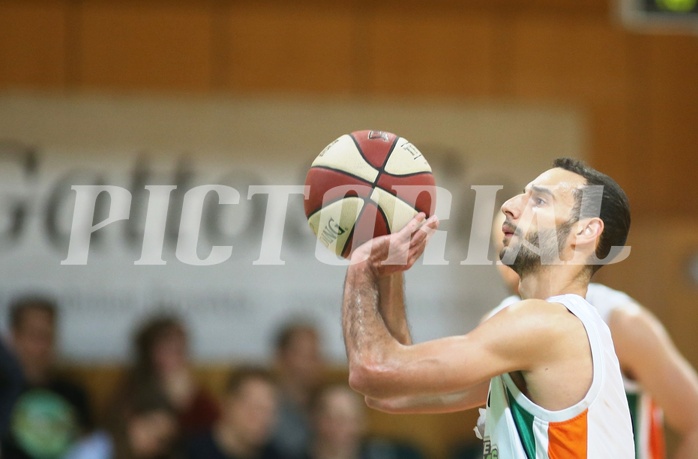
[{"x": 397, "y": 252}]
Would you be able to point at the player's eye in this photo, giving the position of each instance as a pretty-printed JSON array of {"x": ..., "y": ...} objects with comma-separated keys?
[{"x": 538, "y": 201}]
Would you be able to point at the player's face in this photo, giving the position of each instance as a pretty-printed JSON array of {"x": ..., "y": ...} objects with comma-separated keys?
[{"x": 538, "y": 221}]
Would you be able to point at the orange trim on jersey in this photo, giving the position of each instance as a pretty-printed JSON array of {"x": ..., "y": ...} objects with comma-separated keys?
[
  {"x": 656, "y": 432},
  {"x": 568, "y": 439}
]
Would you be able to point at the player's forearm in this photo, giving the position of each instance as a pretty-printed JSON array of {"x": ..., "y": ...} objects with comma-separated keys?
[
  {"x": 367, "y": 340},
  {"x": 434, "y": 403},
  {"x": 392, "y": 307}
]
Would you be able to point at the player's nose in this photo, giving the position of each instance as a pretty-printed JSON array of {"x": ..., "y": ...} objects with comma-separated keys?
[{"x": 511, "y": 208}]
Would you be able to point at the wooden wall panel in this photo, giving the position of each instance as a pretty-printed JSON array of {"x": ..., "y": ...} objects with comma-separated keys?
[
  {"x": 671, "y": 63},
  {"x": 588, "y": 62},
  {"x": 567, "y": 58},
  {"x": 145, "y": 45},
  {"x": 33, "y": 44},
  {"x": 427, "y": 51},
  {"x": 290, "y": 47}
]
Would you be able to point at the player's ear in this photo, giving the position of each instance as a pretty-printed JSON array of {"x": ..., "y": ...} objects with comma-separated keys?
[{"x": 589, "y": 230}]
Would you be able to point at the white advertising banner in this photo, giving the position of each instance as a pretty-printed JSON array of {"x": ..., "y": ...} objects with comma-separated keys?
[{"x": 200, "y": 211}]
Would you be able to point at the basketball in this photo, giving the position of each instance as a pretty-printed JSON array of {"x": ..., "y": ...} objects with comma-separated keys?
[{"x": 364, "y": 185}]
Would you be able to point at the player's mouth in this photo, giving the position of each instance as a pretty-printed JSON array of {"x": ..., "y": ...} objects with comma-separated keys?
[{"x": 508, "y": 229}]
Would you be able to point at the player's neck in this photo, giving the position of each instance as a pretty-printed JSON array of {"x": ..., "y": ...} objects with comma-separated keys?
[{"x": 550, "y": 281}]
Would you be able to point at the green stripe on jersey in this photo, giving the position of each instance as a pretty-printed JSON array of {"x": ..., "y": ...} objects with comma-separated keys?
[
  {"x": 524, "y": 425},
  {"x": 633, "y": 404}
]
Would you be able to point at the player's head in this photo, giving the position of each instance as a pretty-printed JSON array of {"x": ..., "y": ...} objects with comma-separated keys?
[{"x": 570, "y": 213}]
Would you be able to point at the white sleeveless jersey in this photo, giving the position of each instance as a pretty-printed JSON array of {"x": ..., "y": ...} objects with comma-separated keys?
[{"x": 597, "y": 427}]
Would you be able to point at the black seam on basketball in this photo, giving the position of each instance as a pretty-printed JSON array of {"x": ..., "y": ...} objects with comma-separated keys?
[
  {"x": 411, "y": 174},
  {"x": 325, "y": 204},
  {"x": 407, "y": 203},
  {"x": 358, "y": 148},
  {"x": 353, "y": 227},
  {"x": 381, "y": 170},
  {"x": 385, "y": 219},
  {"x": 349, "y": 174}
]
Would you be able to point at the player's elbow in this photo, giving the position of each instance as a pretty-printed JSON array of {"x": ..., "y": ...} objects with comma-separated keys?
[
  {"x": 369, "y": 377},
  {"x": 384, "y": 405}
]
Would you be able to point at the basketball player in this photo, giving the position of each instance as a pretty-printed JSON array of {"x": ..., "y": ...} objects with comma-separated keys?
[
  {"x": 544, "y": 367},
  {"x": 658, "y": 380}
]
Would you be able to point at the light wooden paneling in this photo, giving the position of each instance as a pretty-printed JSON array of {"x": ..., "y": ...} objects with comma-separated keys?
[
  {"x": 671, "y": 63},
  {"x": 592, "y": 63},
  {"x": 568, "y": 58},
  {"x": 291, "y": 47},
  {"x": 145, "y": 45},
  {"x": 33, "y": 44},
  {"x": 427, "y": 51}
]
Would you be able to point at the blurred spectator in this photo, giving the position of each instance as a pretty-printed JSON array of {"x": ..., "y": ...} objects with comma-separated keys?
[
  {"x": 300, "y": 368},
  {"x": 162, "y": 362},
  {"x": 339, "y": 429},
  {"x": 51, "y": 412},
  {"x": 10, "y": 386},
  {"x": 146, "y": 429},
  {"x": 249, "y": 410}
]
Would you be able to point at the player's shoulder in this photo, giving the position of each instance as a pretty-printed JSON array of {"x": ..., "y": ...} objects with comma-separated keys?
[
  {"x": 634, "y": 318},
  {"x": 532, "y": 324},
  {"x": 603, "y": 295},
  {"x": 533, "y": 311}
]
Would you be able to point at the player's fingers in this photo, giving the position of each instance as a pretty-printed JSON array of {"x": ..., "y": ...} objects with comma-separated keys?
[
  {"x": 430, "y": 225},
  {"x": 426, "y": 230},
  {"x": 414, "y": 224}
]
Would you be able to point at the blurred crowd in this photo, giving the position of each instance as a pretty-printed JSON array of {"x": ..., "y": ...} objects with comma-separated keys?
[{"x": 287, "y": 409}]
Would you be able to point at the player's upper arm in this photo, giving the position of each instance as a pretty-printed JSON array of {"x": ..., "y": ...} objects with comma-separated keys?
[
  {"x": 646, "y": 352},
  {"x": 515, "y": 339}
]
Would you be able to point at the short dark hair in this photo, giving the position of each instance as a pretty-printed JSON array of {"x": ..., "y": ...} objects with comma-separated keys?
[
  {"x": 615, "y": 207},
  {"x": 19, "y": 306},
  {"x": 243, "y": 373}
]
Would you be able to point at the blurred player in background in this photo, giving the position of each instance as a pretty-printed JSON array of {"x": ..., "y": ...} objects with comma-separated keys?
[
  {"x": 550, "y": 379},
  {"x": 656, "y": 376}
]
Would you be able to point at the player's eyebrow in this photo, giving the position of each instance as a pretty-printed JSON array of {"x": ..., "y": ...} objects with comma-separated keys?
[{"x": 543, "y": 190}]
